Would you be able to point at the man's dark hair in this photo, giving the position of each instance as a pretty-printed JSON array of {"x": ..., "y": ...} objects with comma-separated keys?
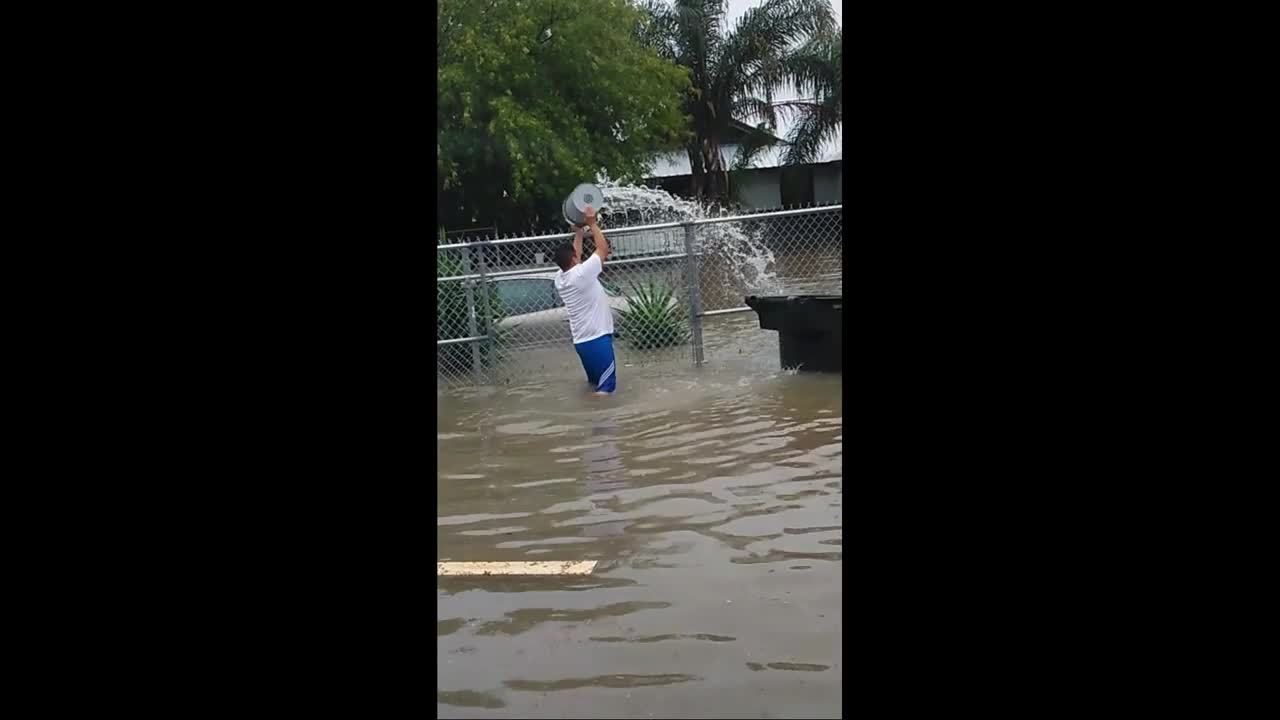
[{"x": 564, "y": 256}]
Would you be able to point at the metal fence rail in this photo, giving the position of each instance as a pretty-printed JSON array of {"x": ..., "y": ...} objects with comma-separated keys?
[{"x": 498, "y": 315}]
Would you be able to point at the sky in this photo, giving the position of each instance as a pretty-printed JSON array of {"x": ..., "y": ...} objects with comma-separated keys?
[{"x": 736, "y": 8}]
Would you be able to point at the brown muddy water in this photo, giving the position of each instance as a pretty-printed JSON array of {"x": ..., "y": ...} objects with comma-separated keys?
[{"x": 710, "y": 497}]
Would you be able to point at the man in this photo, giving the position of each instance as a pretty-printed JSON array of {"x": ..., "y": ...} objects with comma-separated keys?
[{"x": 590, "y": 319}]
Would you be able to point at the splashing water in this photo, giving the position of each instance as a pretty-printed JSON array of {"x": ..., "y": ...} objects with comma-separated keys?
[{"x": 737, "y": 246}]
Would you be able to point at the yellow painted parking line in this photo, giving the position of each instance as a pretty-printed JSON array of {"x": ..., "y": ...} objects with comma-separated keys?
[{"x": 554, "y": 567}]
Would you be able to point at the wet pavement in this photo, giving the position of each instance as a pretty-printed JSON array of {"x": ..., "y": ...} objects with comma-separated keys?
[{"x": 711, "y": 500}]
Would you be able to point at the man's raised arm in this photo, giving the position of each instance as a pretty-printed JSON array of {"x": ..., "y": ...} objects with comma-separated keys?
[
  {"x": 602, "y": 245},
  {"x": 577, "y": 243}
]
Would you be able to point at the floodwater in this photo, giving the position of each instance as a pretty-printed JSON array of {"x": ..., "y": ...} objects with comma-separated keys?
[{"x": 711, "y": 499}]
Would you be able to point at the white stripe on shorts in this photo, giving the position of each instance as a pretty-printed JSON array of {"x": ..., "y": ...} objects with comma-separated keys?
[{"x": 605, "y": 375}]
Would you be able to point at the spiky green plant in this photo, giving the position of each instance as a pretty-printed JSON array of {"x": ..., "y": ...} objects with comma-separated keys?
[{"x": 653, "y": 318}]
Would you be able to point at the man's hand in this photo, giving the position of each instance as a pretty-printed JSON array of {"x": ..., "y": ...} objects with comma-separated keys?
[{"x": 590, "y": 214}]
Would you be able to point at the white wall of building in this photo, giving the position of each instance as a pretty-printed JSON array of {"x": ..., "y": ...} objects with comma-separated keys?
[
  {"x": 677, "y": 163},
  {"x": 760, "y": 188}
]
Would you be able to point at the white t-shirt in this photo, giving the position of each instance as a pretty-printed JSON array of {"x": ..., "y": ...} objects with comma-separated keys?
[{"x": 585, "y": 299}]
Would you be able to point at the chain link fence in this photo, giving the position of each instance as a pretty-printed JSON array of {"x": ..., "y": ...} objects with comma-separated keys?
[{"x": 499, "y": 317}]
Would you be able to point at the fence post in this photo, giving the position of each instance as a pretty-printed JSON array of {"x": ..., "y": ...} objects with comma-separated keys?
[
  {"x": 471, "y": 314},
  {"x": 693, "y": 294},
  {"x": 489, "y": 329}
]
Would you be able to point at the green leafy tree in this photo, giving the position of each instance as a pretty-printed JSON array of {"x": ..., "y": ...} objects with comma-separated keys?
[
  {"x": 536, "y": 96},
  {"x": 734, "y": 71}
]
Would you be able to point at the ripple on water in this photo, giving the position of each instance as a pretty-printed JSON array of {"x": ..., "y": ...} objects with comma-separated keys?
[
  {"x": 494, "y": 531},
  {"x": 536, "y": 427},
  {"x": 800, "y": 667},
  {"x": 660, "y": 638},
  {"x": 520, "y": 621},
  {"x": 540, "y": 483},
  {"x": 482, "y": 517},
  {"x": 604, "y": 681},
  {"x": 469, "y": 698}
]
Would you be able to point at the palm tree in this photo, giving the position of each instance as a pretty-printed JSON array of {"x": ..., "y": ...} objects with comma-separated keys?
[
  {"x": 814, "y": 68},
  {"x": 734, "y": 72}
]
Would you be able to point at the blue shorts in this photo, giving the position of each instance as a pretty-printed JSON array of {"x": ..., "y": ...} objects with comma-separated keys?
[{"x": 597, "y": 360}]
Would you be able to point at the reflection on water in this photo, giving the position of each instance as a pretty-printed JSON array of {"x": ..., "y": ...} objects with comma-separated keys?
[{"x": 711, "y": 499}]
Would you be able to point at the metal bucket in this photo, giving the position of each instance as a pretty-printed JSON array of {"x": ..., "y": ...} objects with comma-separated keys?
[{"x": 578, "y": 200}]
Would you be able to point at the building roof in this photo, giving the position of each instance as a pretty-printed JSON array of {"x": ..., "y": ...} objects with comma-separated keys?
[{"x": 676, "y": 164}]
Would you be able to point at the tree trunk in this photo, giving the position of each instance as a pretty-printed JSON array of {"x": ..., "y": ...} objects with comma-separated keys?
[
  {"x": 698, "y": 177},
  {"x": 713, "y": 165}
]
